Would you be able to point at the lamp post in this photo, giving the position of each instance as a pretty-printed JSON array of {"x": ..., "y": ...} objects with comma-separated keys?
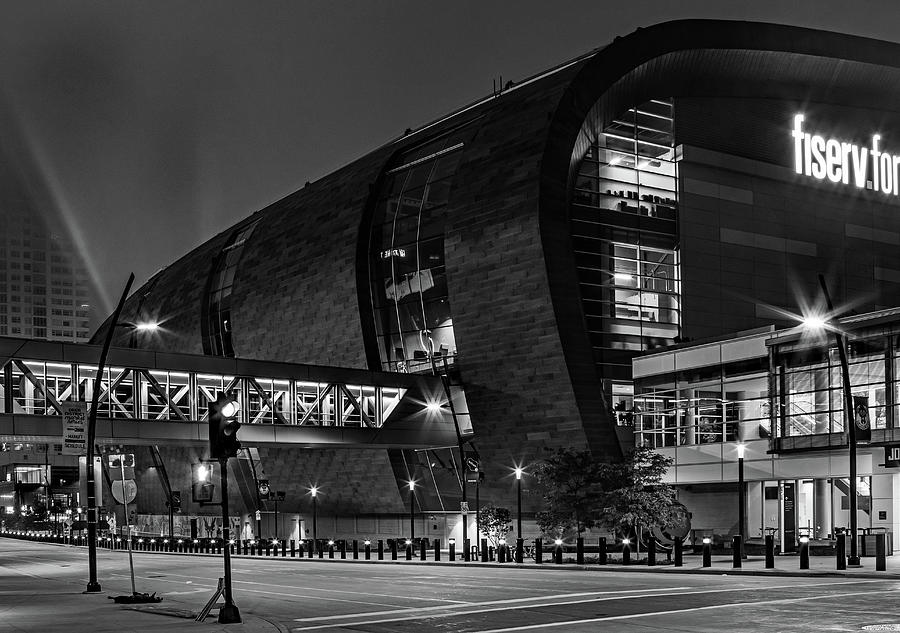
[
  {"x": 519, "y": 501},
  {"x": 741, "y": 497},
  {"x": 412, "y": 509},
  {"x": 314, "y": 492},
  {"x": 93, "y": 586},
  {"x": 849, "y": 423}
]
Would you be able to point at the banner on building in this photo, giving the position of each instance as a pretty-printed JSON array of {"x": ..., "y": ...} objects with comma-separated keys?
[
  {"x": 861, "y": 418},
  {"x": 892, "y": 456},
  {"x": 74, "y": 441}
]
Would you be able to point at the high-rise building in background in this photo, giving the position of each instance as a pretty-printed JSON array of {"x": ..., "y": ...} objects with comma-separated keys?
[{"x": 44, "y": 287}]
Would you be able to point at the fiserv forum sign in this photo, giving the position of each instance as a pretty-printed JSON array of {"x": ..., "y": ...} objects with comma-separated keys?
[{"x": 842, "y": 162}]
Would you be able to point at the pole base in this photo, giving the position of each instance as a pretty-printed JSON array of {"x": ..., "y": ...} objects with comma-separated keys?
[
  {"x": 229, "y": 614},
  {"x": 92, "y": 587}
]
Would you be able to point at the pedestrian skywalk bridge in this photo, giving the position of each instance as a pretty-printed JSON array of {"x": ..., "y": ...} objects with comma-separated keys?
[{"x": 161, "y": 398}]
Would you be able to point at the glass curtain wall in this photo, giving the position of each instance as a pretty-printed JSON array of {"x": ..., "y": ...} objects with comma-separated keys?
[
  {"x": 811, "y": 391},
  {"x": 703, "y": 408},
  {"x": 219, "y": 327},
  {"x": 624, "y": 225},
  {"x": 409, "y": 285}
]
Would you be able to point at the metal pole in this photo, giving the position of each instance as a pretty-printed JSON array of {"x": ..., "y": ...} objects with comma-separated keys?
[
  {"x": 849, "y": 424},
  {"x": 315, "y": 542},
  {"x": 741, "y": 503},
  {"x": 93, "y": 586},
  {"x": 276, "y": 516},
  {"x": 128, "y": 523},
  {"x": 478, "y": 510},
  {"x": 445, "y": 383},
  {"x": 412, "y": 513},
  {"x": 229, "y": 613},
  {"x": 519, "y": 505}
]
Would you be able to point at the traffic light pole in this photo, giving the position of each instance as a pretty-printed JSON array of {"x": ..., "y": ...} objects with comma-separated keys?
[{"x": 229, "y": 613}]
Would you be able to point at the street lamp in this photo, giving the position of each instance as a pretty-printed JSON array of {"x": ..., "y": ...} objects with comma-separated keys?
[
  {"x": 314, "y": 492},
  {"x": 519, "y": 501},
  {"x": 412, "y": 509},
  {"x": 93, "y": 586},
  {"x": 741, "y": 497},
  {"x": 817, "y": 323}
]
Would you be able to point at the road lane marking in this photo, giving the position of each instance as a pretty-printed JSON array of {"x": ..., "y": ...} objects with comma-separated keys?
[
  {"x": 476, "y": 604},
  {"x": 674, "y": 611},
  {"x": 557, "y": 603}
]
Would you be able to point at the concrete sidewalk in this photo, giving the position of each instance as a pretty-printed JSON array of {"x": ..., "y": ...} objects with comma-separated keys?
[{"x": 48, "y": 609}]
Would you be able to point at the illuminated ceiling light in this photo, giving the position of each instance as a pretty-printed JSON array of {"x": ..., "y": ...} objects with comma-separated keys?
[
  {"x": 433, "y": 407},
  {"x": 615, "y": 160},
  {"x": 623, "y": 277},
  {"x": 150, "y": 326}
]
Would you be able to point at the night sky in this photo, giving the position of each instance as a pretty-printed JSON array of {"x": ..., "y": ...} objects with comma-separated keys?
[{"x": 155, "y": 125}]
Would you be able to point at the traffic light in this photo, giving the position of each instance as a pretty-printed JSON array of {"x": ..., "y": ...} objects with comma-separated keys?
[
  {"x": 202, "y": 486},
  {"x": 176, "y": 501},
  {"x": 223, "y": 427}
]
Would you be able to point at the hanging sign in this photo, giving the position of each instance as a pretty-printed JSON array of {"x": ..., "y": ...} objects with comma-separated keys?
[
  {"x": 74, "y": 441},
  {"x": 861, "y": 418}
]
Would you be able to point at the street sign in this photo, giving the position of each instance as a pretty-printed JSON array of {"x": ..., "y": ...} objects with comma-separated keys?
[
  {"x": 892, "y": 456},
  {"x": 464, "y": 507},
  {"x": 258, "y": 515},
  {"x": 130, "y": 490},
  {"x": 74, "y": 440}
]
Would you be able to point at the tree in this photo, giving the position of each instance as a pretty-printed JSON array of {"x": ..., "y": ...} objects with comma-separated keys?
[
  {"x": 495, "y": 522},
  {"x": 634, "y": 494},
  {"x": 572, "y": 483}
]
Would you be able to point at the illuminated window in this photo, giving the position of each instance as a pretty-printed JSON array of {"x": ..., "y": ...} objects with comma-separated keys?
[{"x": 624, "y": 221}]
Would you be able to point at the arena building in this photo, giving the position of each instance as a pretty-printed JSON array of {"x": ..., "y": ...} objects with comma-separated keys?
[{"x": 688, "y": 180}]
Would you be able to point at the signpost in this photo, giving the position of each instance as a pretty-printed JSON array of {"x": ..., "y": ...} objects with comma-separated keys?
[{"x": 124, "y": 492}]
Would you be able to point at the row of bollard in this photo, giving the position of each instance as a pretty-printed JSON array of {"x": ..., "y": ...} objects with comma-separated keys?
[
  {"x": 502, "y": 554},
  {"x": 840, "y": 552}
]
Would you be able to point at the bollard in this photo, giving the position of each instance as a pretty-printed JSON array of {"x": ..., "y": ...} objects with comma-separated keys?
[
  {"x": 484, "y": 550},
  {"x": 342, "y": 545},
  {"x": 501, "y": 552},
  {"x": 736, "y": 553},
  {"x": 283, "y": 548},
  {"x": 707, "y": 552},
  {"x": 355, "y": 549},
  {"x": 520, "y": 550},
  {"x": 626, "y": 551},
  {"x": 467, "y": 549},
  {"x": 252, "y": 548},
  {"x": 393, "y": 544},
  {"x": 840, "y": 552},
  {"x": 310, "y": 548},
  {"x": 804, "y": 552},
  {"x": 601, "y": 551},
  {"x": 437, "y": 549},
  {"x": 293, "y": 548},
  {"x": 678, "y": 546},
  {"x": 557, "y": 553},
  {"x": 322, "y": 551},
  {"x": 880, "y": 561},
  {"x": 452, "y": 550},
  {"x": 368, "y": 545},
  {"x": 538, "y": 551},
  {"x": 408, "y": 550},
  {"x": 770, "y": 552},
  {"x": 380, "y": 549},
  {"x": 651, "y": 552},
  {"x": 491, "y": 553},
  {"x": 423, "y": 546},
  {"x": 579, "y": 551}
]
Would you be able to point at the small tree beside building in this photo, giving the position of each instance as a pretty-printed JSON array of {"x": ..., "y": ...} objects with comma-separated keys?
[{"x": 581, "y": 492}]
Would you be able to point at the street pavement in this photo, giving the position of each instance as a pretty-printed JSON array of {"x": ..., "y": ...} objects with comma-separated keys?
[{"x": 41, "y": 589}]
